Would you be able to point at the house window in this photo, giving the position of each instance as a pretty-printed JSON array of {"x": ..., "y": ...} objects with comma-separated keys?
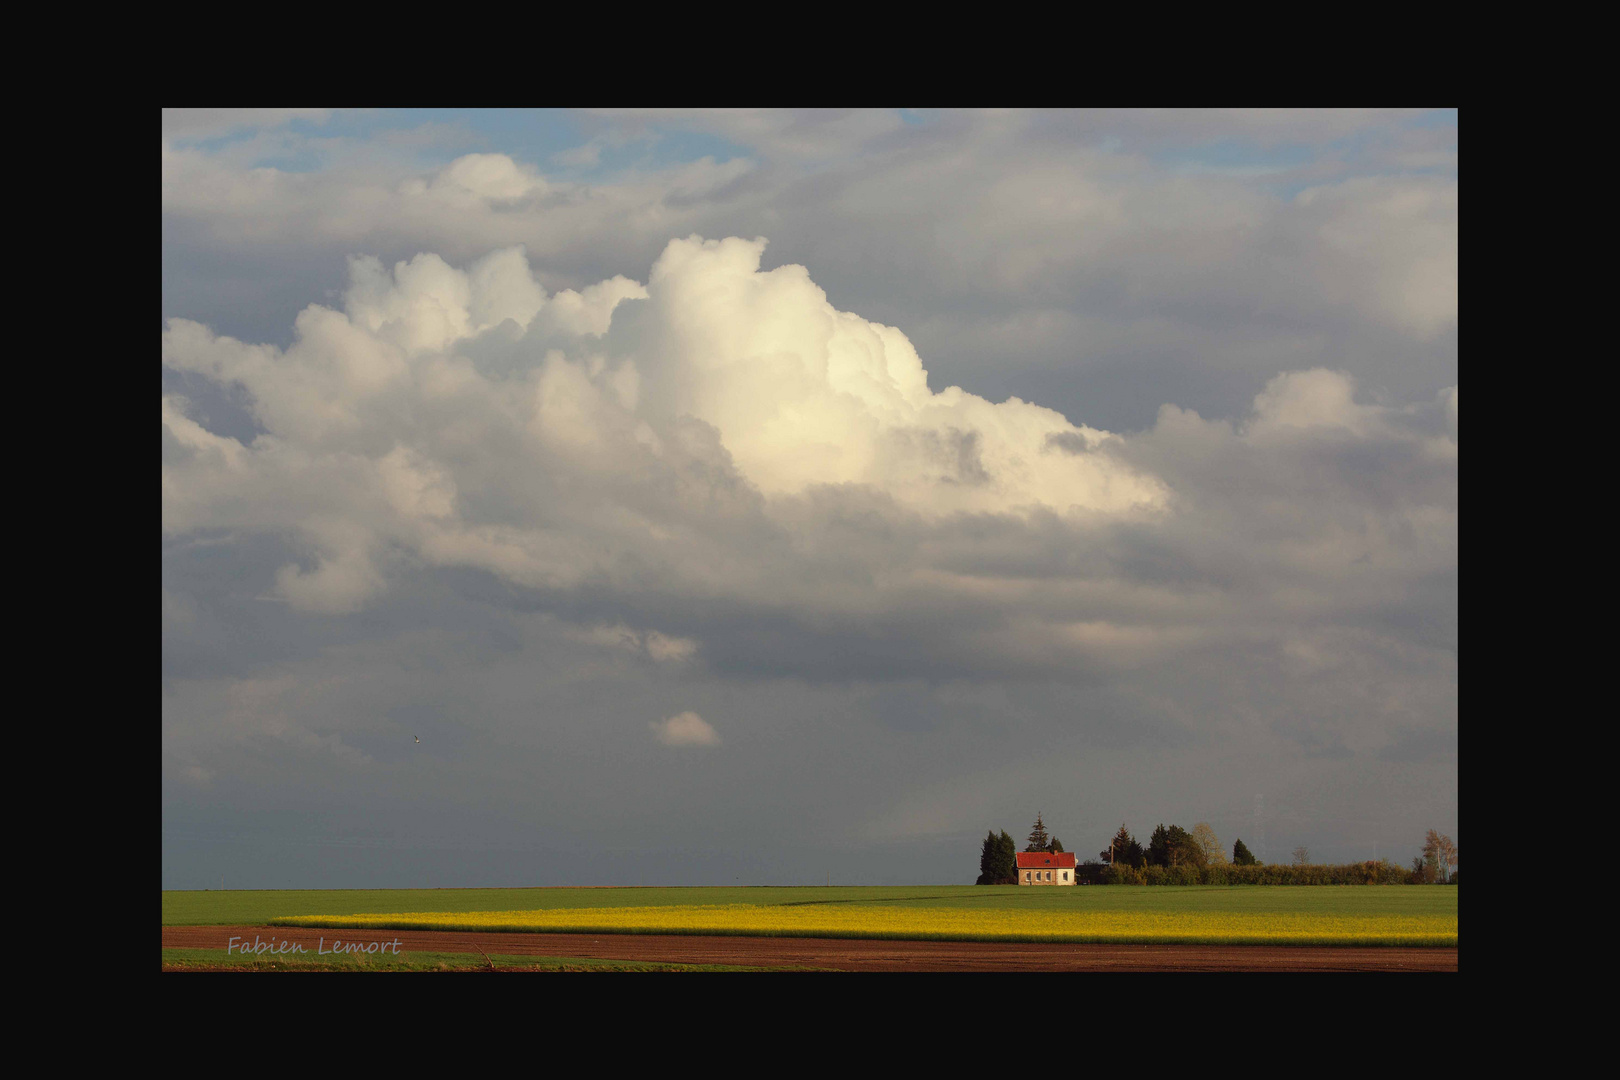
[
  {"x": 1065, "y": 875},
  {"x": 1026, "y": 875}
]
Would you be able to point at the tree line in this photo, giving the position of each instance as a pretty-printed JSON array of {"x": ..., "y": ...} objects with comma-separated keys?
[
  {"x": 1175, "y": 856},
  {"x": 1173, "y": 846}
]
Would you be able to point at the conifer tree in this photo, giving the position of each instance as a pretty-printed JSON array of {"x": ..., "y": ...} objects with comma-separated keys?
[
  {"x": 1006, "y": 860},
  {"x": 998, "y": 860},
  {"x": 1242, "y": 856},
  {"x": 987, "y": 859},
  {"x": 1124, "y": 850},
  {"x": 1038, "y": 840},
  {"x": 1183, "y": 849},
  {"x": 1158, "y": 852}
]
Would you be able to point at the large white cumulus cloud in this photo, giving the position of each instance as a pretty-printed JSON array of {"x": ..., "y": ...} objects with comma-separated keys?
[
  {"x": 465, "y": 416},
  {"x": 804, "y": 394},
  {"x": 723, "y": 460}
]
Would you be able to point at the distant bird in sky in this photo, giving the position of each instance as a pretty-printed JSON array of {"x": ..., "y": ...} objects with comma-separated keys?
[{"x": 418, "y": 738}]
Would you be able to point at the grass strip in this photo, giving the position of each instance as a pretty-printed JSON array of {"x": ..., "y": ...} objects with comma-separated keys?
[{"x": 255, "y": 907}]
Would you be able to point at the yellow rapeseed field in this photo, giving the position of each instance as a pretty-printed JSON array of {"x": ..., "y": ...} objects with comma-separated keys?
[{"x": 935, "y": 923}]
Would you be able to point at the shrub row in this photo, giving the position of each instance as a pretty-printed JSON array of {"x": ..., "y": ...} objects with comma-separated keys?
[{"x": 1367, "y": 873}]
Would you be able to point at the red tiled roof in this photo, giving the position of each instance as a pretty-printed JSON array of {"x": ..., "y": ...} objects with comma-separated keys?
[{"x": 1031, "y": 860}]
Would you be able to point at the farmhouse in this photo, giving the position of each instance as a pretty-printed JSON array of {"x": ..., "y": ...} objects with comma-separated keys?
[{"x": 1041, "y": 868}]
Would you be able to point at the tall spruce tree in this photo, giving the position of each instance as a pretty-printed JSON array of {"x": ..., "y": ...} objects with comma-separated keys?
[
  {"x": 1006, "y": 860},
  {"x": 1158, "y": 852},
  {"x": 998, "y": 860},
  {"x": 987, "y": 859},
  {"x": 1242, "y": 856},
  {"x": 1125, "y": 850},
  {"x": 1115, "y": 851},
  {"x": 1038, "y": 840}
]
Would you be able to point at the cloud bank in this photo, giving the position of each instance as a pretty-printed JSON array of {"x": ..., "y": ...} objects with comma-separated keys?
[
  {"x": 722, "y": 440},
  {"x": 1025, "y": 253},
  {"x": 1098, "y": 463}
]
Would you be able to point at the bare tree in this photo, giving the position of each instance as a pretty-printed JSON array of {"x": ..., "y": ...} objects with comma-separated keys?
[
  {"x": 1302, "y": 855},
  {"x": 1440, "y": 852},
  {"x": 1209, "y": 844}
]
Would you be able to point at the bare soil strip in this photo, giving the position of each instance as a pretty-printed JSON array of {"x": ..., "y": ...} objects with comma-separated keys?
[{"x": 846, "y": 955}]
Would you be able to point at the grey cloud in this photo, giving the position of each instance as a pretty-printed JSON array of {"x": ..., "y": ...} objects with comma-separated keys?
[
  {"x": 942, "y": 229},
  {"x": 1421, "y": 745},
  {"x": 203, "y": 123},
  {"x": 477, "y": 536}
]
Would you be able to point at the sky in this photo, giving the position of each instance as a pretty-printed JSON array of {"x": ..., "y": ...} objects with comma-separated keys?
[{"x": 755, "y": 497}]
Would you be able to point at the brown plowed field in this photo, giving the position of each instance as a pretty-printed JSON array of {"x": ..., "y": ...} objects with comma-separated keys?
[{"x": 851, "y": 955}]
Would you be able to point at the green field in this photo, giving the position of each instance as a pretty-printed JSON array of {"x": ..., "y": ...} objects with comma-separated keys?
[{"x": 1317, "y": 915}]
